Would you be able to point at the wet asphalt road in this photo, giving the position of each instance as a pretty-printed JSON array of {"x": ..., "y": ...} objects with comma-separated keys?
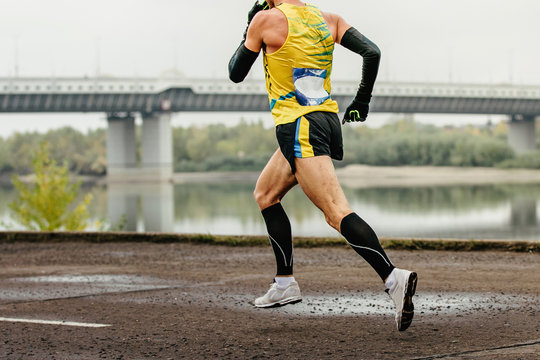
[{"x": 143, "y": 300}]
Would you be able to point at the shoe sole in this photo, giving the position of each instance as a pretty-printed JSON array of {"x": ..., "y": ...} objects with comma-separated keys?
[
  {"x": 287, "y": 301},
  {"x": 408, "y": 308}
]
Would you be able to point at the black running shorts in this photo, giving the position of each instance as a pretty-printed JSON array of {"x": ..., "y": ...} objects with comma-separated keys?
[{"x": 314, "y": 134}]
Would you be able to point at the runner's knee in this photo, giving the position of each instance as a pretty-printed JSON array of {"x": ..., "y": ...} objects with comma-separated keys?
[
  {"x": 331, "y": 222},
  {"x": 264, "y": 199},
  {"x": 334, "y": 217}
]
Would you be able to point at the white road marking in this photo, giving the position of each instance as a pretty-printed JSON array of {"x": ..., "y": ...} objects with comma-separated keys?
[{"x": 51, "y": 322}]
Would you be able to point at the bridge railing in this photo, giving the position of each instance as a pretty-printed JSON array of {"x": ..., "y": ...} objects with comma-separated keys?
[{"x": 254, "y": 87}]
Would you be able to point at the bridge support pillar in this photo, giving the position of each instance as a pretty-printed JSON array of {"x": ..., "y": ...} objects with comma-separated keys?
[
  {"x": 156, "y": 164},
  {"x": 121, "y": 145},
  {"x": 157, "y": 150},
  {"x": 141, "y": 206},
  {"x": 521, "y": 133}
]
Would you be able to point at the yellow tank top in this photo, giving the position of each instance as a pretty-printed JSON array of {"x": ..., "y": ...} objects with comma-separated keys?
[{"x": 298, "y": 74}]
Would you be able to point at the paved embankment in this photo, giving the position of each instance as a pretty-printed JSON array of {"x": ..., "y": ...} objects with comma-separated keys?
[{"x": 182, "y": 300}]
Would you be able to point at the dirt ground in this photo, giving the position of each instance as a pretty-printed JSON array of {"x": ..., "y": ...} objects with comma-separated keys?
[{"x": 176, "y": 301}]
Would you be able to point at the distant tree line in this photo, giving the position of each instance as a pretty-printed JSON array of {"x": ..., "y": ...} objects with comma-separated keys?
[
  {"x": 248, "y": 146},
  {"x": 220, "y": 148},
  {"x": 408, "y": 143},
  {"x": 83, "y": 154}
]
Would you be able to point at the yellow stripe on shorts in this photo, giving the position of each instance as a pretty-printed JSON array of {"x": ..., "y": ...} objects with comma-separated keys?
[{"x": 302, "y": 139}]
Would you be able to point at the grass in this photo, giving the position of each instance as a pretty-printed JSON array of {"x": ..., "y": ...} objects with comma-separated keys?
[{"x": 299, "y": 242}]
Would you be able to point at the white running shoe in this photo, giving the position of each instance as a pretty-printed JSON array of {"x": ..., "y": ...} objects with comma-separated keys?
[
  {"x": 401, "y": 293},
  {"x": 278, "y": 297}
]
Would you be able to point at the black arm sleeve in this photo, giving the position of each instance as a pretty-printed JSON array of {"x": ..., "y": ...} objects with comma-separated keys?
[
  {"x": 358, "y": 43},
  {"x": 241, "y": 62}
]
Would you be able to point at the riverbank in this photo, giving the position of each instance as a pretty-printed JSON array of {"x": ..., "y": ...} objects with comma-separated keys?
[
  {"x": 254, "y": 241},
  {"x": 356, "y": 176},
  {"x": 369, "y": 176}
]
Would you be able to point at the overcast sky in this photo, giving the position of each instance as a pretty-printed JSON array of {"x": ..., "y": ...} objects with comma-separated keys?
[{"x": 464, "y": 41}]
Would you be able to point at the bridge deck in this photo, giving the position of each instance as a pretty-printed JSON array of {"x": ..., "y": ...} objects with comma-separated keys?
[{"x": 177, "y": 95}]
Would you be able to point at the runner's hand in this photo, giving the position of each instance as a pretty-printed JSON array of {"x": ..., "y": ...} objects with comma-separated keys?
[
  {"x": 254, "y": 10},
  {"x": 357, "y": 111}
]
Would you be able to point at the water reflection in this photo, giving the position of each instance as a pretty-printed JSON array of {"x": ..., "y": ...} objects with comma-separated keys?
[
  {"x": 141, "y": 207},
  {"x": 524, "y": 212},
  {"x": 468, "y": 212},
  {"x": 494, "y": 211}
]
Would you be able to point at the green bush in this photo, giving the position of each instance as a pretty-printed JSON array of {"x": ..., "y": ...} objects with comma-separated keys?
[
  {"x": 220, "y": 148},
  {"x": 479, "y": 152},
  {"x": 46, "y": 204},
  {"x": 525, "y": 161}
]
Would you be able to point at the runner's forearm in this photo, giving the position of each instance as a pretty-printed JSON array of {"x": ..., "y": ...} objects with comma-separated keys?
[
  {"x": 358, "y": 43},
  {"x": 241, "y": 62}
]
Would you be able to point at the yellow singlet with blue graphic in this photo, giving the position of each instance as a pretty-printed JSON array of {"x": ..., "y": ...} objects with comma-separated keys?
[{"x": 298, "y": 74}]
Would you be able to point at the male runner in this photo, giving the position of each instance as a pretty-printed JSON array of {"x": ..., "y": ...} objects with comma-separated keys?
[{"x": 297, "y": 40}]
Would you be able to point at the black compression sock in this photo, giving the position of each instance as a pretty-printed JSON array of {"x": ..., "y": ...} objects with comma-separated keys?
[
  {"x": 279, "y": 230},
  {"x": 363, "y": 240}
]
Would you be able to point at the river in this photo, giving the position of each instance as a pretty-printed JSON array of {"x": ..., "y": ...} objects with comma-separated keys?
[{"x": 496, "y": 211}]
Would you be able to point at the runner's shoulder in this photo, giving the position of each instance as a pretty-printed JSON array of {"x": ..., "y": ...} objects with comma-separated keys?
[
  {"x": 267, "y": 18},
  {"x": 331, "y": 18},
  {"x": 336, "y": 24}
]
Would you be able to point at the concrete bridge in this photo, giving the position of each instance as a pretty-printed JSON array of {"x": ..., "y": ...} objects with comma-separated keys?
[{"x": 156, "y": 99}]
